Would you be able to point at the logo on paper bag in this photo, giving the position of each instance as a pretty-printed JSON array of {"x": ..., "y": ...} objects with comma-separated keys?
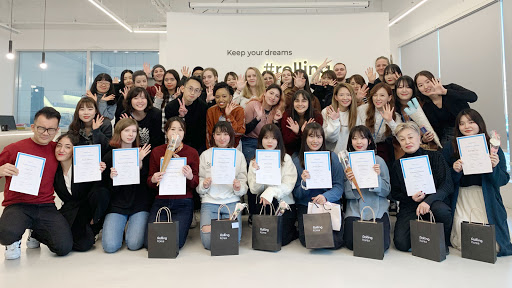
[
  {"x": 224, "y": 236},
  {"x": 317, "y": 228},
  {"x": 424, "y": 239},
  {"x": 264, "y": 231},
  {"x": 476, "y": 241},
  {"x": 161, "y": 239},
  {"x": 366, "y": 238}
]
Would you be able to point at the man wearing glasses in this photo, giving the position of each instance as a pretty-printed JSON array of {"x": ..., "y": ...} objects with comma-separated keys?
[
  {"x": 193, "y": 110},
  {"x": 24, "y": 211}
]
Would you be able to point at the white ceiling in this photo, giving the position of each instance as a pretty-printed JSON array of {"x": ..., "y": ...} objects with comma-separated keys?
[{"x": 80, "y": 14}]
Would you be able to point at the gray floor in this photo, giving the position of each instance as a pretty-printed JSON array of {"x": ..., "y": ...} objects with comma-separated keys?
[{"x": 293, "y": 266}]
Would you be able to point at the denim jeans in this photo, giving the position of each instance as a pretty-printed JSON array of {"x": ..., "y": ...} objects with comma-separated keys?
[
  {"x": 181, "y": 211},
  {"x": 249, "y": 146},
  {"x": 209, "y": 212},
  {"x": 113, "y": 230}
]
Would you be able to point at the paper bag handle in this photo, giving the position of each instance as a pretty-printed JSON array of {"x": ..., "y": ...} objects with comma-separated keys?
[
  {"x": 471, "y": 215},
  {"x": 432, "y": 218},
  {"x": 264, "y": 211},
  {"x": 373, "y": 212},
  {"x": 220, "y": 208},
  {"x": 167, "y": 210}
]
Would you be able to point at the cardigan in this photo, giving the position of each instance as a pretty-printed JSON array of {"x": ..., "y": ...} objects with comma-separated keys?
[
  {"x": 376, "y": 197},
  {"x": 279, "y": 192},
  {"x": 337, "y": 131},
  {"x": 291, "y": 140},
  {"x": 333, "y": 195},
  {"x": 494, "y": 208},
  {"x": 379, "y": 127}
]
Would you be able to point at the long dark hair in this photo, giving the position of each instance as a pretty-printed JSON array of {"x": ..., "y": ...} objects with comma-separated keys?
[
  {"x": 274, "y": 131},
  {"x": 77, "y": 123},
  {"x": 314, "y": 129},
  {"x": 121, "y": 80},
  {"x": 309, "y": 112},
  {"x": 134, "y": 93},
  {"x": 165, "y": 91},
  {"x": 370, "y": 112},
  {"x": 364, "y": 132},
  {"x": 111, "y": 90},
  {"x": 473, "y": 115},
  {"x": 224, "y": 126},
  {"x": 429, "y": 76},
  {"x": 410, "y": 83}
]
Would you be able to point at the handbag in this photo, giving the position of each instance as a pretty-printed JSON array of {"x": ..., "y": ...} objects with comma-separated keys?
[
  {"x": 318, "y": 231},
  {"x": 478, "y": 240},
  {"x": 224, "y": 235},
  {"x": 332, "y": 208},
  {"x": 267, "y": 230},
  {"x": 163, "y": 237},
  {"x": 427, "y": 239},
  {"x": 368, "y": 238}
]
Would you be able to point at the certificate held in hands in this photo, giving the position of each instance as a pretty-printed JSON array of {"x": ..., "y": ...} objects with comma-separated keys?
[
  {"x": 362, "y": 163},
  {"x": 223, "y": 165},
  {"x": 126, "y": 162},
  {"x": 474, "y": 154},
  {"x": 318, "y": 164},
  {"x": 173, "y": 182},
  {"x": 86, "y": 163},
  {"x": 417, "y": 175},
  {"x": 269, "y": 162},
  {"x": 30, "y": 174}
]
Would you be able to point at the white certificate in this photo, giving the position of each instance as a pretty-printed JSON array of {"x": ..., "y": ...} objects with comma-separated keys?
[
  {"x": 417, "y": 175},
  {"x": 30, "y": 174},
  {"x": 223, "y": 165},
  {"x": 474, "y": 154},
  {"x": 362, "y": 163},
  {"x": 86, "y": 163},
  {"x": 126, "y": 162},
  {"x": 269, "y": 162},
  {"x": 173, "y": 182},
  {"x": 318, "y": 165}
]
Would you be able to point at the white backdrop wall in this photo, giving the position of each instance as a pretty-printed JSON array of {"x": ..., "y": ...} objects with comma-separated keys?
[
  {"x": 6, "y": 76},
  {"x": 229, "y": 42}
]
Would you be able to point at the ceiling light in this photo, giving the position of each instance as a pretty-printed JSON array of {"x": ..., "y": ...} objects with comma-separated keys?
[
  {"x": 281, "y": 5},
  {"x": 396, "y": 19},
  {"x": 111, "y": 14},
  {"x": 10, "y": 55},
  {"x": 43, "y": 64}
]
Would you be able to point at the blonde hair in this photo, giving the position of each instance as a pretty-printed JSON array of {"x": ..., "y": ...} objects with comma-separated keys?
[
  {"x": 260, "y": 85},
  {"x": 407, "y": 125}
]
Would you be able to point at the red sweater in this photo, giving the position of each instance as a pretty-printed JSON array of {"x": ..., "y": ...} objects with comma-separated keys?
[
  {"x": 152, "y": 91},
  {"x": 291, "y": 140},
  {"x": 28, "y": 146},
  {"x": 192, "y": 161}
]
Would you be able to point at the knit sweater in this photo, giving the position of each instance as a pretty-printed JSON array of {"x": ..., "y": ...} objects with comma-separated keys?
[
  {"x": 236, "y": 118},
  {"x": 221, "y": 193},
  {"x": 380, "y": 124},
  {"x": 336, "y": 131},
  {"x": 279, "y": 192}
]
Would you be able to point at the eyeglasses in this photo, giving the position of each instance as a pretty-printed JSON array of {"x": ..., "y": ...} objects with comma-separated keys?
[
  {"x": 51, "y": 131},
  {"x": 192, "y": 90},
  {"x": 103, "y": 83}
]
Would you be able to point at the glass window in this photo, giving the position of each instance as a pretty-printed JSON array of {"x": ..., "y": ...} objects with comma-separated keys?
[
  {"x": 113, "y": 63},
  {"x": 60, "y": 86}
]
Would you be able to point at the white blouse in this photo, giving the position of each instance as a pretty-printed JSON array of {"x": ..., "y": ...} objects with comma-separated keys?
[{"x": 379, "y": 128}]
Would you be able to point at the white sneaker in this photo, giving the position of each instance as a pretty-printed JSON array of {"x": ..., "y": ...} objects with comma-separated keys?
[
  {"x": 32, "y": 243},
  {"x": 194, "y": 221},
  {"x": 13, "y": 251}
]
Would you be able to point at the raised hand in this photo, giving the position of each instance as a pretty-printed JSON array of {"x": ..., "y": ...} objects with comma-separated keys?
[
  {"x": 396, "y": 76},
  {"x": 182, "y": 111},
  {"x": 363, "y": 91},
  {"x": 240, "y": 83},
  {"x": 116, "y": 80},
  {"x": 284, "y": 86},
  {"x": 229, "y": 108},
  {"x": 387, "y": 112},
  {"x": 278, "y": 115},
  {"x": 370, "y": 75},
  {"x": 300, "y": 80},
  {"x": 90, "y": 95},
  {"x": 207, "y": 183},
  {"x": 292, "y": 125},
  {"x": 159, "y": 94},
  {"x": 108, "y": 98},
  {"x": 209, "y": 94},
  {"x": 278, "y": 75},
  {"x": 125, "y": 91},
  {"x": 236, "y": 185},
  {"x": 124, "y": 115},
  {"x": 177, "y": 94},
  {"x": 144, "y": 151},
  {"x": 187, "y": 172},
  {"x": 324, "y": 64},
  {"x": 333, "y": 114},
  {"x": 333, "y": 82},
  {"x": 96, "y": 123},
  {"x": 185, "y": 71},
  {"x": 259, "y": 113},
  {"x": 147, "y": 69},
  {"x": 311, "y": 120},
  {"x": 438, "y": 88}
]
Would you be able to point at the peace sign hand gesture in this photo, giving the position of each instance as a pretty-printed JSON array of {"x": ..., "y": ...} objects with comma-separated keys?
[
  {"x": 324, "y": 64},
  {"x": 159, "y": 94},
  {"x": 182, "y": 111}
]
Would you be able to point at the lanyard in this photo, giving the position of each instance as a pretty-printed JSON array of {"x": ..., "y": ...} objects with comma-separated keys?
[{"x": 376, "y": 133}]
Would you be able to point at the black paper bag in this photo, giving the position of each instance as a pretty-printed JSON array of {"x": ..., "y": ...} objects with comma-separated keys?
[
  {"x": 267, "y": 232},
  {"x": 224, "y": 236},
  {"x": 368, "y": 238},
  {"x": 318, "y": 231},
  {"x": 427, "y": 239},
  {"x": 163, "y": 237},
  {"x": 478, "y": 241}
]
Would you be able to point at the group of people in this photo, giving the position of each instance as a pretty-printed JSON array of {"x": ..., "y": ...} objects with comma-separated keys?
[{"x": 251, "y": 111}]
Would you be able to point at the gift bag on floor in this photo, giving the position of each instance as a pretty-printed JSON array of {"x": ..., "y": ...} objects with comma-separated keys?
[
  {"x": 224, "y": 235},
  {"x": 267, "y": 231},
  {"x": 163, "y": 237},
  {"x": 368, "y": 238},
  {"x": 328, "y": 207},
  {"x": 318, "y": 231},
  {"x": 427, "y": 239},
  {"x": 478, "y": 240}
]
